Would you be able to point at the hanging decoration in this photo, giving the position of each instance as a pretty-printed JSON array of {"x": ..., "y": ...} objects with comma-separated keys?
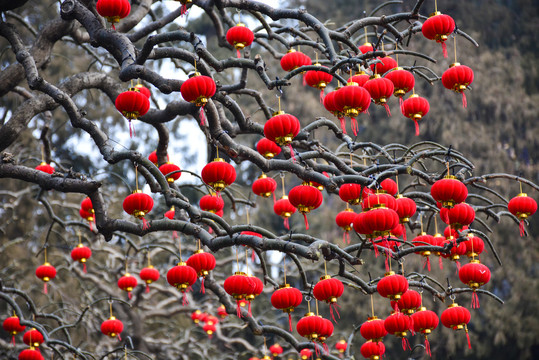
[
  {"x": 392, "y": 286},
  {"x": 457, "y": 78},
  {"x": 474, "y": 245},
  {"x": 149, "y": 274},
  {"x": 318, "y": 79},
  {"x": 457, "y": 318},
  {"x": 221, "y": 311},
  {"x": 197, "y": 90},
  {"x": 424, "y": 322},
  {"x": 238, "y": 286},
  {"x": 460, "y": 215},
  {"x": 389, "y": 186},
  {"x": 113, "y": 10},
  {"x": 351, "y": 193},
  {"x": 294, "y": 59},
  {"x": 212, "y": 203},
  {"x": 267, "y": 148},
  {"x": 284, "y": 209},
  {"x": 203, "y": 263},
  {"x": 46, "y": 272},
  {"x": 438, "y": 27},
  {"x": 218, "y": 174},
  {"x": 30, "y": 354},
  {"x": 138, "y": 204},
  {"x": 373, "y": 350},
  {"x": 282, "y": 128},
  {"x": 305, "y": 354},
  {"x": 127, "y": 282},
  {"x": 360, "y": 78},
  {"x": 378, "y": 200},
  {"x": 353, "y": 100},
  {"x": 380, "y": 90},
  {"x": 182, "y": 277},
  {"x": 167, "y": 168},
  {"x": 33, "y": 338},
  {"x": 329, "y": 289},
  {"x": 81, "y": 253},
  {"x": 383, "y": 65},
  {"x": 403, "y": 82},
  {"x": 153, "y": 157},
  {"x": 373, "y": 329},
  {"x": 276, "y": 349},
  {"x": 409, "y": 302},
  {"x": 449, "y": 191},
  {"x": 424, "y": 239},
  {"x": 398, "y": 325},
  {"x": 522, "y": 206},
  {"x": 345, "y": 220},
  {"x": 415, "y": 108},
  {"x": 112, "y": 327},
  {"x": 264, "y": 186},
  {"x": 406, "y": 208},
  {"x": 13, "y": 326},
  {"x": 305, "y": 198},
  {"x": 184, "y": 6},
  {"x": 144, "y": 90},
  {"x": 286, "y": 298},
  {"x": 475, "y": 275},
  {"x": 341, "y": 346},
  {"x": 46, "y": 168},
  {"x": 132, "y": 104},
  {"x": 240, "y": 37}
]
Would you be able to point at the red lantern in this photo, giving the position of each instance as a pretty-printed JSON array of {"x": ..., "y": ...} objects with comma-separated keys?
[
  {"x": 112, "y": 327},
  {"x": 294, "y": 59},
  {"x": 362, "y": 225},
  {"x": 351, "y": 193},
  {"x": 326, "y": 331},
  {"x": 276, "y": 350},
  {"x": 415, "y": 108},
  {"x": 373, "y": 329},
  {"x": 127, "y": 283},
  {"x": 13, "y": 326},
  {"x": 264, "y": 186},
  {"x": 329, "y": 289},
  {"x": 286, "y": 298},
  {"x": 392, "y": 286},
  {"x": 344, "y": 220},
  {"x": 373, "y": 350},
  {"x": 197, "y": 316},
  {"x": 170, "y": 213},
  {"x": 319, "y": 186},
  {"x": 149, "y": 275},
  {"x": 457, "y": 78},
  {"x": 138, "y": 204},
  {"x": 153, "y": 157},
  {"x": 182, "y": 277},
  {"x": 46, "y": 168},
  {"x": 203, "y": 263},
  {"x": 238, "y": 286},
  {"x": 318, "y": 80},
  {"x": 456, "y": 251},
  {"x": 267, "y": 148},
  {"x": 305, "y": 198},
  {"x": 331, "y": 105},
  {"x": 474, "y": 275},
  {"x": 474, "y": 245},
  {"x": 282, "y": 129},
  {"x": 360, "y": 78},
  {"x": 389, "y": 186},
  {"x": 221, "y": 311},
  {"x": 168, "y": 168},
  {"x": 341, "y": 346},
  {"x": 144, "y": 90},
  {"x": 398, "y": 324},
  {"x": 460, "y": 215},
  {"x": 218, "y": 174},
  {"x": 366, "y": 47},
  {"x": 424, "y": 240},
  {"x": 81, "y": 254},
  {"x": 522, "y": 206},
  {"x": 30, "y": 354},
  {"x": 457, "y": 318},
  {"x": 438, "y": 241},
  {"x": 403, "y": 82},
  {"x": 33, "y": 338},
  {"x": 284, "y": 209},
  {"x": 379, "y": 199},
  {"x": 132, "y": 104},
  {"x": 197, "y": 90},
  {"x": 409, "y": 302},
  {"x": 46, "y": 272},
  {"x": 212, "y": 203},
  {"x": 239, "y": 36},
  {"x": 209, "y": 329},
  {"x": 382, "y": 220},
  {"x": 383, "y": 65},
  {"x": 305, "y": 354},
  {"x": 449, "y": 191},
  {"x": 380, "y": 90},
  {"x": 406, "y": 208},
  {"x": 438, "y": 27},
  {"x": 310, "y": 326},
  {"x": 352, "y": 99},
  {"x": 113, "y": 10},
  {"x": 424, "y": 322},
  {"x": 87, "y": 211}
]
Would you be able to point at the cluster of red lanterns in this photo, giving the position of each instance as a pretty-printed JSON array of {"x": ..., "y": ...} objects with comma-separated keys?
[
  {"x": 315, "y": 328},
  {"x": 206, "y": 321},
  {"x": 87, "y": 212},
  {"x": 243, "y": 287}
]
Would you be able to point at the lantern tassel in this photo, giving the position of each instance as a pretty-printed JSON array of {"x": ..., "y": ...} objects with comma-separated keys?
[
  {"x": 406, "y": 344},
  {"x": 202, "y": 288},
  {"x": 184, "y": 299},
  {"x": 344, "y": 237},
  {"x": 427, "y": 346},
  {"x": 183, "y": 9},
  {"x": 444, "y": 49},
  {"x": 274, "y": 200},
  {"x": 376, "y": 251},
  {"x": 458, "y": 266},
  {"x": 91, "y": 223},
  {"x": 292, "y": 152},
  {"x": 464, "y": 102},
  {"x": 316, "y": 351},
  {"x": 416, "y": 127},
  {"x": 286, "y": 224},
  {"x": 147, "y": 288},
  {"x": 441, "y": 263},
  {"x": 411, "y": 325},
  {"x": 129, "y": 295},
  {"x": 290, "y": 321},
  {"x": 45, "y": 288},
  {"x": 304, "y": 81},
  {"x": 387, "y": 263},
  {"x": 306, "y": 222},
  {"x": 113, "y": 27},
  {"x": 175, "y": 234},
  {"x": 119, "y": 337},
  {"x": 145, "y": 225},
  {"x": 253, "y": 256},
  {"x": 238, "y": 309},
  {"x": 427, "y": 262},
  {"x": 202, "y": 116},
  {"x": 321, "y": 96},
  {"x": 387, "y": 109},
  {"x": 401, "y": 102},
  {"x": 468, "y": 337},
  {"x": 355, "y": 127},
  {"x": 522, "y": 228},
  {"x": 249, "y": 309},
  {"x": 325, "y": 347},
  {"x": 131, "y": 129},
  {"x": 333, "y": 309},
  {"x": 238, "y": 54},
  {"x": 84, "y": 268},
  {"x": 475, "y": 300},
  {"x": 348, "y": 237},
  {"x": 404, "y": 233},
  {"x": 343, "y": 125},
  {"x": 13, "y": 340}
]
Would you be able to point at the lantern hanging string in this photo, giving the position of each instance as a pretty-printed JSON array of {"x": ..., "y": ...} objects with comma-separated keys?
[
  {"x": 265, "y": 347},
  {"x": 110, "y": 307},
  {"x": 397, "y": 181},
  {"x": 180, "y": 247},
  {"x": 455, "y": 48},
  {"x": 136, "y": 177},
  {"x": 316, "y": 304},
  {"x": 246, "y": 263},
  {"x": 237, "y": 259},
  {"x": 282, "y": 182},
  {"x": 45, "y": 251},
  {"x": 435, "y": 6},
  {"x": 372, "y": 305},
  {"x": 284, "y": 268},
  {"x": 366, "y": 37},
  {"x": 325, "y": 268},
  {"x": 42, "y": 153}
]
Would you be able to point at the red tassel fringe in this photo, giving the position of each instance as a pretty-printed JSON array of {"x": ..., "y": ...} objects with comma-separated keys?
[
  {"x": 306, "y": 222},
  {"x": 184, "y": 9},
  {"x": 202, "y": 288},
  {"x": 238, "y": 309},
  {"x": 286, "y": 224},
  {"x": 441, "y": 263},
  {"x": 427, "y": 262},
  {"x": 387, "y": 263},
  {"x": 238, "y": 54},
  {"x": 45, "y": 288},
  {"x": 84, "y": 268},
  {"x": 522, "y": 228},
  {"x": 406, "y": 344},
  {"x": 333, "y": 309},
  {"x": 321, "y": 96},
  {"x": 387, "y": 109},
  {"x": 376, "y": 251},
  {"x": 131, "y": 129},
  {"x": 343, "y": 125},
  {"x": 145, "y": 225},
  {"x": 416, "y": 128},
  {"x": 427, "y": 346},
  {"x": 202, "y": 116},
  {"x": 475, "y": 301},
  {"x": 292, "y": 152},
  {"x": 401, "y": 101},
  {"x": 355, "y": 127},
  {"x": 129, "y": 295},
  {"x": 468, "y": 337},
  {"x": 147, "y": 288},
  {"x": 13, "y": 340},
  {"x": 444, "y": 49},
  {"x": 464, "y": 102},
  {"x": 290, "y": 321}
]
